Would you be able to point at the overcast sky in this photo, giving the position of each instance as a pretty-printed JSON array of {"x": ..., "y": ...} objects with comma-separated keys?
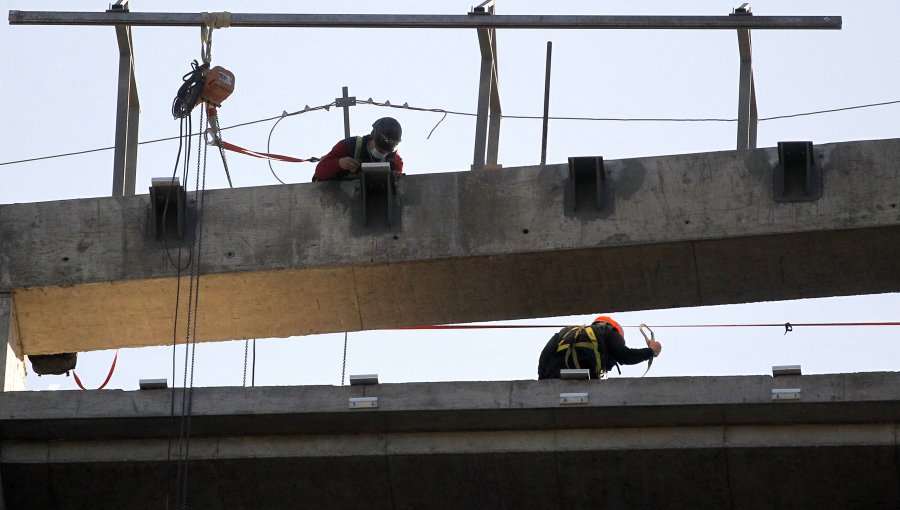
[{"x": 58, "y": 88}]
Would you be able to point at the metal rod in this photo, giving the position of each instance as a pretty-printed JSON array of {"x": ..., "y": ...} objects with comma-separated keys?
[
  {"x": 125, "y": 156},
  {"x": 745, "y": 90},
  {"x": 546, "y": 104},
  {"x": 754, "y": 116},
  {"x": 346, "y": 98},
  {"x": 484, "y": 94},
  {"x": 496, "y": 114},
  {"x": 17, "y": 17}
]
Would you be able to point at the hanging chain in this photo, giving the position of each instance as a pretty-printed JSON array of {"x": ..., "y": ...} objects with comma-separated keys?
[
  {"x": 344, "y": 364},
  {"x": 217, "y": 131},
  {"x": 246, "y": 349}
]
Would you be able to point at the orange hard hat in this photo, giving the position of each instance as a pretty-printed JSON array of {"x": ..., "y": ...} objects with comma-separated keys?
[{"x": 611, "y": 322}]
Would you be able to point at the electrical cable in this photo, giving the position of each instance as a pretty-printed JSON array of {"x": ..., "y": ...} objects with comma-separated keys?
[
  {"x": 269, "y": 146},
  {"x": 451, "y": 112},
  {"x": 183, "y": 141},
  {"x": 201, "y": 192},
  {"x": 189, "y": 93},
  {"x": 191, "y": 332}
]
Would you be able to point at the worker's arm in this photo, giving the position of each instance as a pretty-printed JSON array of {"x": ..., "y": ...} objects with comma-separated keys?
[
  {"x": 622, "y": 354},
  {"x": 331, "y": 165}
]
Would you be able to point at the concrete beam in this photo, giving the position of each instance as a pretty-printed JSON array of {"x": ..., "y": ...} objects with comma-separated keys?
[
  {"x": 12, "y": 362},
  {"x": 704, "y": 442},
  {"x": 676, "y": 231}
]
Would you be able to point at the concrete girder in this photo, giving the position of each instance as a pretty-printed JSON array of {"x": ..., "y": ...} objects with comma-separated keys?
[{"x": 289, "y": 260}]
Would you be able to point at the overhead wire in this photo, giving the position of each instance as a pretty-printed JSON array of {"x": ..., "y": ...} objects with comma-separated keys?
[{"x": 468, "y": 114}]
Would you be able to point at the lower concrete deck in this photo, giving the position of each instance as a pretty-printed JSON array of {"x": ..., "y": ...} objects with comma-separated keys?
[{"x": 703, "y": 442}]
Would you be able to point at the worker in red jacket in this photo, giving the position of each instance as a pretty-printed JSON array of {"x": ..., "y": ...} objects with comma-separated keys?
[{"x": 346, "y": 158}]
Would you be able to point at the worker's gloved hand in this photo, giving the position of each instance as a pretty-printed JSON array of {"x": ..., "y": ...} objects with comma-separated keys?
[
  {"x": 349, "y": 164},
  {"x": 655, "y": 346}
]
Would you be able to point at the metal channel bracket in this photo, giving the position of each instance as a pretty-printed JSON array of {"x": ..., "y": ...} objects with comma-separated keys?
[
  {"x": 168, "y": 200},
  {"x": 587, "y": 181},
  {"x": 797, "y": 177},
  {"x": 377, "y": 185}
]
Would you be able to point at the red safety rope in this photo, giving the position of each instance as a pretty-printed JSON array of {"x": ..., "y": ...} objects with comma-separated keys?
[
  {"x": 782, "y": 325},
  {"x": 212, "y": 112},
  {"x": 108, "y": 376},
  {"x": 263, "y": 155}
]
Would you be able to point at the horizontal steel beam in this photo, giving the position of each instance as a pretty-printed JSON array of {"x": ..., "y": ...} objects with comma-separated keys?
[{"x": 429, "y": 20}]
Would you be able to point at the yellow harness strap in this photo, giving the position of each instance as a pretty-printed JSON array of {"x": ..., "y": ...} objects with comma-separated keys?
[{"x": 570, "y": 347}]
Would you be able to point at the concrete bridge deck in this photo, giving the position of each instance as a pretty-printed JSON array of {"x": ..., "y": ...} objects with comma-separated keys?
[
  {"x": 673, "y": 231},
  {"x": 702, "y": 442}
]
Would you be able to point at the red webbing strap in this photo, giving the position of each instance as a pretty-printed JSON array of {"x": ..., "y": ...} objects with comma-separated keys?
[
  {"x": 264, "y": 155},
  {"x": 108, "y": 376}
]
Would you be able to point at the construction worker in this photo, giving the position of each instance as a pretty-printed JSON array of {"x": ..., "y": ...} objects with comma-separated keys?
[
  {"x": 598, "y": 347},
  {"x": 346, "y": 158}
]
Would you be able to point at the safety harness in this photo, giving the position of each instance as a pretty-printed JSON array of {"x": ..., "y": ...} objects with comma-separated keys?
[
  {"x": 357, "y": 150},
  {"x": 574, "y": 339}
]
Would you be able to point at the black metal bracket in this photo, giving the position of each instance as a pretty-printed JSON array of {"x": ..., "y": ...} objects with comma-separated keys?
[
  {"x": 378, "y": 197},
  {"x": 587, "y": 185},
  {"x": 168, "y": 202},
  {"x": 119, "y": 6},
  {"x": 797, "y": 177},
  {"x": 341, "y": 102}
]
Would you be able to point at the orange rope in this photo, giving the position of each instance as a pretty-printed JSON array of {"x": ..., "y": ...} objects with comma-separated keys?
[{"x": 782, "y": 325}]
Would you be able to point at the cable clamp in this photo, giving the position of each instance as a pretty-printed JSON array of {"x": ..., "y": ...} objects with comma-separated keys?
[{"x": 212, "y": 137}]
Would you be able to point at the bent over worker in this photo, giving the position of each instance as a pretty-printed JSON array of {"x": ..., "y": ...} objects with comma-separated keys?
[
  {"x": 598, "y": 347},
  {"x": 346, "y": 158}
]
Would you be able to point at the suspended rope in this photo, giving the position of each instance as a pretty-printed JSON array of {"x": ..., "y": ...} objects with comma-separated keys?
[
  {"x": 787, "y": 325},
  {"x": 186, "y": 135},
  {"x": 262, "y": 155},
  {"x": 105, "y": 381}
]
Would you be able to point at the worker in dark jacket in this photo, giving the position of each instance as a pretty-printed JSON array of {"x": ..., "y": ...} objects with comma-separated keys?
[
  {"x": 346, "y": 158},
  {"x": 598, "y": 347}
]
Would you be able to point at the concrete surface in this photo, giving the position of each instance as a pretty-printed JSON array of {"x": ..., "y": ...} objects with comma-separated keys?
[
  {"x": 12, "y": 364},
  {"x": 278, "y": 261},
  {"x": 701, "y": 442}
]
